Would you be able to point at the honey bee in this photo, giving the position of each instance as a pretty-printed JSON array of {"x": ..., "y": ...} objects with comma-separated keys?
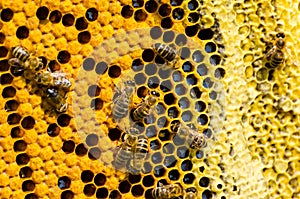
[
  {"x": 275, "y": 55},
  {"x": 56, "y": 79},
  {"x": 122, "y": 102},
  {"x": 23, "y": 59},
  {"x": 140, "y": 153},
  {"x": 143, "y": 109},
  {"x": 168, "y": 53},
  {"x": 57, "y": 100},
  {"x": 195, "y": 139},
  {"x": 124, "y": 152},
  {"x": 167, "y": 191},
  {"x": 190, "y": 195}
]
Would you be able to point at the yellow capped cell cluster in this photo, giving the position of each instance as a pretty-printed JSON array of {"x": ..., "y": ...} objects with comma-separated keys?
[{"x": 222, "y": 85}]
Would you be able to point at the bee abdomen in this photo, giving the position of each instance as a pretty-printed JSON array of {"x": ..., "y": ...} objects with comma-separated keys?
[
  {"x": 20, "y": 53},
  {"x": 166, "y": 52}
]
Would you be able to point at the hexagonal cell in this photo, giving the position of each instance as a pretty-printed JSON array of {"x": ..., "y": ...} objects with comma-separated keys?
[
  {"x": 160, "y": 108},
  {"x": 55, "y": 16},
  {"x": 178, "y": 14},
  {"x": 193, "y": 5},
  {"x": 204, "y": 182},
  {"x": 22, "y": 32},
  {"x": 174, "y": 174},
  {"x": 177, "y": 76},
  {"x": 28, "y": 185},
  {"x": 170, "y": 161},
  {"x": 87, "y": 176},
  {"x": 164, "y": 135},
  {"x": 191, "y": 31},
  {"x": 186, "y": 165},
  {"x": 127, "y": 11},
  {"x": 63, "y": 57},
  {"x": 176, "y": 2},
  {"x": 159, "y": 171},
  {"x": 206, "y": 34},
  {"x": 22, "y": 159},
  {"x": 81, "y": 150},
  {"x": 167, "y": 23},
  {"x": 198, "y": 56},
  {"x": 202, "y": 69},
  {"x": 168, "y": 148},
  {"x": 155, "y": 145},
  {"x": 63, "y": 120},
  {"x": 153, "y": 82},
  {"x": 124, "y": 187},
  {"x": 164, "y": 74},
  {"x": 151, "y": 69},
  {"x": 187, "y": 116},
  {"x": 215, "y": 60},
  {"x": 102, "y": 192},
  {"x": 28, "y": 122},
  {"x": 156, "y": 158},
  {"x": 184, "y": 103},
  {"x": 202, "y": 119},
  {"x": 25, "y": 172},
  {"x": 6, "y": 14},
  {"x": 64, "y": 182},
  {"x": 200, "y": 106},
  {"x": 140, "y": 78},
  {"x": 94, "y": 153},
  {"x": 170, "y": 99},
  {"x": 189, "y": 178},
  {"x": 164, "y": 10},
  {"x": 6, "y": 78},
  {"x": 67, "y": 194},
  {"x": 100, "y": 179},
  {"x": 68, "y": 20},
  {"x": 11, "y": 105},
  {"x": 91, "y": 14},
  {"x": 151, "y": 6},
  {"x": 133, "y": 179},
  {"x": 84, "y": 37},
  {"x": 81, "y": 23},
  {"x": 89, "y": 190},
  {"x": 208, "y": 83},
  {"x": 114, "y": 71},
  {"x": 13, "y": 118},
  {"x": 68, "y": 146},
  {"x": 187, "y": 67},
  {"x": 162, "y": 122},
  {"x": 20, "y": 145},
  {"x": 148, "y": 181},
  {"x": 96, "y": 104},
  {"x": 8, "y": 92},
  {"x": 191, "y": 79},
  {"x": 168, "y": 36},
  {"x": 173, "y": 112},
  {"x": 185, "y": 52},
  {"x": 166, "y": 86},
  {"x": 92, "y": 139},
  {"x": 140, "y": 15},
  {"x": 180, "y": 89}
]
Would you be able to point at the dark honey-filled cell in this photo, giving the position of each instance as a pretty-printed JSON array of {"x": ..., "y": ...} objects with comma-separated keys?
[
  {"x": 63, "y": 57},
  {"x": 169, "y": 99},
  {"x": 115, "y": 194},
  {"x": 13, "y": 118},
  {"x": 173, "y": 112},
  {"x": 178, "y": 13},
  {"x": 168, "y": 36},
  {"x": 159, "y": 171},
  {"x": 2, "y": 38},
  {"x": 166, "y": 23},
  {"x": 89, "y": 190},
  {"x": 55, "y": 16},
  {"x": 140, "y": 78},
  {"x": 16, "y": 132},
  {"x": 100, "y": 179},
  {"x": 164, "y": 10},
  {"x": 220, "y": 73},
  {"x": 81, "y": 150},
  {"x": 3, "y": 51},
  {"x": 94, "y": 153},
  {"x": 184, "y": 103},
  {"x": 25, "y": 172},
  {"x": 22, "y": 159},
  {"x": 159, "y": 60},
  {"x": 68, "y": 20},
  {"x": 68, "y": 146},
  {"x": 202, "y": 119},
  {"x": 124, "y": 187},
  {"x": 206, "y": 34},
  {"x": 148, "y": 181},
  {"x": 140, "y": 15},
  {"x": 4, "y": 66},
  {"x": 28, "y": 122},
  {"x": 101, "y": 68},
  {"x": 176, "y": 2},
  {"x": 67, "y": 194},
  {"x": 155, "y": 32},
  {"x": 204, "y": 182},
  {"x": 210, "y": 47},
  {"x": 174, "y": 174},
  {"x": 54, "y": 65},
  {"x": 31, "y": 196},
  {"x": 137, "y": 190},
  {"x": 151, "y": 6},
  {"x": 127, "y": 11},
  {"x": 102, "y": 192},
  {"x": 94, "y": 90},
  {"x": 189, "y": 178},
  {"x": 207, "y": 194},
  {"x": 81, "y": 23},
  {"x": 89, "y": 64},
  {"x": 193, "y": 17},
  {"x": 92, "y": 139},
  {"x": 155, "y": 145},
  {"x": 134, "y": 178},
  {"x": 170, "y": 161},
  {"x": 114, "y": 71},
  {"x": 63, "y": 120},
  {"x": 7, "y": 14},
  {"x": 186, "y": 165},
  {"x": 114, "y": 134},
  {"x": 215, "y": 60},
  {"x": 64, "y": 182},
  {"x": 11, "y": 105},
  {"x": 142, "y": 91},
  {"x": 53, "y": 130},
  {"x": 193, "y": 5},
  {"x": 84, "y": 37},
  {"x": 191, "y": 31},
  {"x": 28, "y": 185},
  {"x": 91, "y": 14},
  {"x": 148, "y": 55},
  {"x": 20, "y": 145},
  {"x": 180, "y": 89},
  {"x": 156, "y": 158},
  {"x": 87, "y": 176},
  {"x": 42, "y": 13}
]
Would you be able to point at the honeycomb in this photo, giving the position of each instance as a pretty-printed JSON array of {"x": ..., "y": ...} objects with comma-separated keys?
[{"x": 223, "y": 86}]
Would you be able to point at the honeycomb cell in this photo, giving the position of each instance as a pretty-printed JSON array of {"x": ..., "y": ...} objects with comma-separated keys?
[
  {"x": 124, "y": 187},
  {"x": 115, "y": 194},
  {"x": 176, "y": 2},
  {"x": 28, "y": 185},
  {"x": 89, "y": 190},
  {"x": 189, "y": 178},
  {"x": 204, "y": 182},
  {"x": 169, "y": 99},
  {"x": 156, "y": 158},
  {"x": 68, "y": 146},
  {"x": 195, "y": 93},
  {"x": 155, "y": 145},
  {"x": 53, "y": 130},
  {"x": 193, "y": 5},
  {"x": 159, "y": 171},
  {"x": 199, "y": 155},
  {"x": 151, "y": 6},
  {"x": 178, "y": 13},
  {"x": 148, "y": 55},
  {"x": 170, "y": 161},
  {"x": 87, "y": 176},
  {"x": 31, "y": 196},
  {"x": 2, "y": 38},
  {"x": 64, "y": 182},
  {"x": 3, "y": 51},
  {"x": 151, "y": 69},
  {"x": 13, "y": 118},
  {"x": 173, "y": 112},
  {"x": 101, "y": 68},
  {"x": 28, "y": 122},
  {"x": 198, "y": 56},
  {"x": 94, "y": 91},
  {"x": 137, "y": 190},
  {"x": 207, "y": 194},
  {"x": 180, "y": 89},
  {"x": 81, "y": 23},
  {"x": 187, "y": 116},
  {"x": 193, "y": 17},
  {"x": 202, "y": 119},
  {"x": 100, "y": 179},
  {"x": 67, "y": 194},
  {"x": 148, "y": 181},
  {"x": 114, "y": 134},
  {"x": 91, "y": 14},
  {"x": 53, "y": 65},
  {"x": 68, "y": 20},
  {"x": 127, "y": 11},
  {"x": 42, "y": 13},
  {"x": 186, "y": 165},
  {"x": 6, "y": 14},
  {"x": 11, "y": 105},
  {"x": 22, "y": 159},
  {"x": 220, "y": 73},
  {"x": 63, "y": 57},
  {"x": 140, "y": 15},
  {"x": 25, "y": 172},
  {"x": 63, "y": 120},
  {"x": 191, "y": 79},
  {"x": 202, "y": 69},
  {"x": 207, "y": 83},
  {"x": 164, "y": 10},
  {"x": 114, "y": 71},
  {"x": 191, "y": 31},
  {"x": 156, "y": 32},
  {"x": 92, "y": 140},
  {"x": 151, "y": 131},
  {"x": 140, "y": 78},
  {"x": 200, "y": 106},
  {"x": 102, "y": 192},
  {"x": 20, "y": 145},
  {"x": 206, "y": 34},
  {"x": 215, "y": 60},
  {"x": 84, "y": 37},
  {"x": 89, "y": 64},
  {"x": 208, "y": 132},
  {"x": 210, "y": 47},
  {"x": 153, "y": 82},
  {"x": 174, "y": 174},
  {"x": 168, "y": 36},
  {"x": 55, "y": 16},
  {"x": 16, "y": 132},
  {"x": 167, "y": 23},
  {"x": 94, "y": 153},
  {"x": 4, "y": 66},
  {"x": 6, "y": 78}
]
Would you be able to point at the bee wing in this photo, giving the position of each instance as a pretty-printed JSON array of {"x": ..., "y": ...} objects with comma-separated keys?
[
  {"x": 270, "y": 52},
  {"x": 15, "y": 62}
]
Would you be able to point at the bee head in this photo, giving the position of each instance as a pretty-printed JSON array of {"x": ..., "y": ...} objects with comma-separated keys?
[
  {"x": 280, "y": 35},
  {"x": 280, "y": 43}
]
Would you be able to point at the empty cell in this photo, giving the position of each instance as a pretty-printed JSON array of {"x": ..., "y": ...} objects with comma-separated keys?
[
  {"x": 28, "y": 185},
  {"x": 170, "y": 161},
  {"x": 166, "y": 86},
  {"x": 64, "y": 182},
  {"x": 200, "y": 106},
  {"x": 156, "y": 158},
  {"x": 150, "y": 69},
  {"x": 159, "y": 171},
  {"x": 155, "y": 145},
  {"x": 191, "y": 31},
  {"x": 166, "y": 23},
  {"x": 148, "y": 181},
  {"x": 164, "y": 10},
  {"x": 180, "y": 89},
  {"x": 153, "y": 82},
  {"x": 215, "y": 60},
  {"x": 68, "y": 20},
  {"x": 186, "y": 165},
  {"x": 20, "y": 145},
  {"x": 195, "y": 93},
  {"x": 191, "y": 79},
  {"x": 42, "y": 13},
  {"x": 168, "y": 36},
  {"x": 89, "y": 190},
  {"x": 140, "y": 78},
  {"x": 101, "y": 68},
  {"x": 91, "y": 14},
  {"x": 151, "y": 6},
  {"x": 148, "y": 55},
  {"x": 178, "y": 13},
  {"x": 133, "y": 179},
  {"x": 189, "y": 178},
  {"x": 185, "y": 53},
  {"x": 173, "y": 112},
  {"x": 137, "y": 3},
  {"x": 88, "y": 64},
  {"x": 187, "y": 116},
  {"x": 193, "y": 5},
  {"x": 193, "y": 17},
  {"x": 220, "y": 73},
  {"x": 22, "y": 159},
  {"x": 168, "y": 148},
  {"x": 137, "y": 190},
  {"x": 55, "y": 16},
  {"x": 140, "y": 15},
  {"x": 92, "y": 139}
]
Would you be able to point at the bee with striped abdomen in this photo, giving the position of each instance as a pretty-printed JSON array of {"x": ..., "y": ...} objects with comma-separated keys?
[
  {"x": 22, "y": 58},
  {"x": 139, "y": 156},
  {"x": 195, "y": 139},
  {"x": 167, "y": 191},
  {"x": 168, "y": 53},
  {"x": 143, "y": 109},
  {"x": 122, "y": 102},
  {"x": 57, "y": 100},
  {"x": 124, "y": 152},
  {"x": 56, "y": 79},
  {"x": 275, "y": 55}
]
